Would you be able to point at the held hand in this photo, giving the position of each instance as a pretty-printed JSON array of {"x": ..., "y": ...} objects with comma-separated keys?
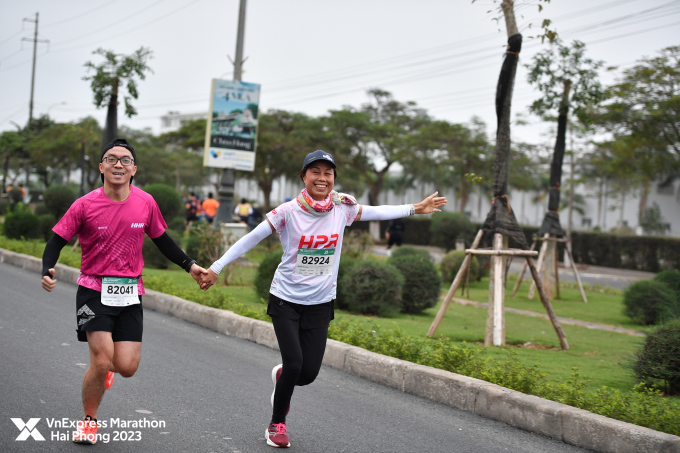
[
  {"x": 208, "y": 279},
  {"x": 430, "y": 204},
  {"x": 197, "y": 272},
  {"x": 48, "y": 283}
]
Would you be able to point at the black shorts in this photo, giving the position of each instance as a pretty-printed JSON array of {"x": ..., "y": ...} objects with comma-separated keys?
[
  {"x": 395, "y": 238},
  {"x": 124, "y": 323},
  {"x": 309, "y": 316}
]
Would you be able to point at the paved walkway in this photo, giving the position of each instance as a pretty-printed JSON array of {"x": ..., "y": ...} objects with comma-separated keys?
[{"x": 569, "y": 321}]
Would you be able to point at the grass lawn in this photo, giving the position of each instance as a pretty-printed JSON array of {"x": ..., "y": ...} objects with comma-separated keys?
[{"x": 599, "y": 355}]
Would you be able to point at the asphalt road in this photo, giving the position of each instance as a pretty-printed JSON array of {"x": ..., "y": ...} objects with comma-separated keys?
[{"x": 199, "y": 391}]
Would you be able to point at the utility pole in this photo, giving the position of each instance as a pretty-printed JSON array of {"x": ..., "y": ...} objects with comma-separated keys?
[
  {"x": 227, "y": 181},
  {"x": 35, "y": 42}
]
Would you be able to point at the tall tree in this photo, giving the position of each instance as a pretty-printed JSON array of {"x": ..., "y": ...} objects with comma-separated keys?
[
  {"x": 285, "y": 138},
  {"x": 567, "y": 79},
  {"x": 10, "y": 145},
  {"x": 446, "y": 153},
  {"x": 375, "y": 137},
  {"x": 646, "y": 103},
  {"x": 88, "y": 135},
  {"x": 186, "y": 147},
  {"x": 52, "y": 150},
  {"x": 645, "y": 108},
  {"x": 116, "y": 72}
]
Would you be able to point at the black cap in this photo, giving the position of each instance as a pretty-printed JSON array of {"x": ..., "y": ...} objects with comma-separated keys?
[
  {"x": 318, "y": 155},
  {"x": 122, "y": 143}
]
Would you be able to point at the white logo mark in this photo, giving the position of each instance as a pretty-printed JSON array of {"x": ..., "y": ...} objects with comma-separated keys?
[{"x": 28, "y": 429}]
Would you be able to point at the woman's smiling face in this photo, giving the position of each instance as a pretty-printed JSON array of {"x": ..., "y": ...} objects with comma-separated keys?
[{"x": 319, "y": 179}]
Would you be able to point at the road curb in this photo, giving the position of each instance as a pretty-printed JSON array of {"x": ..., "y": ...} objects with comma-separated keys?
[{"x": 565, "y": 423}]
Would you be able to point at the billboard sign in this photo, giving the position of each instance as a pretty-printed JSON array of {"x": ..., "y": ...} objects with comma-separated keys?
[{"x": 231, "y": 132}]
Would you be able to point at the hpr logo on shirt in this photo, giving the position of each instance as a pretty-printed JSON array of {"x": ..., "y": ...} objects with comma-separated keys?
[
  {"x": 137, "y": 225},
  {"x": 320, "y": 240}
]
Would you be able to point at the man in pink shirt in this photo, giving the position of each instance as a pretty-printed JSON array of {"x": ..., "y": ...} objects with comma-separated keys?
[{"x": 110, "y": 223}]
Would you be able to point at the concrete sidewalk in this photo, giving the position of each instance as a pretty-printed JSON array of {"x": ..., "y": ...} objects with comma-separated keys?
[{"x": 558, "y": 421}]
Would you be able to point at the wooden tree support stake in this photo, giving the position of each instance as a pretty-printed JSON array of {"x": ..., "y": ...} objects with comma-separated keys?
[
  {"x": 454, "y": 286},
  {"x": 546, "y": 304}
]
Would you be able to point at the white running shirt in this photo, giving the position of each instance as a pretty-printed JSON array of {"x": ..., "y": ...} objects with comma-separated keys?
[{"x": 308, "y": 271}]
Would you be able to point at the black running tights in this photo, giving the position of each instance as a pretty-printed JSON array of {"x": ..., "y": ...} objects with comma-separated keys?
[{"x": 302, "y": 352}]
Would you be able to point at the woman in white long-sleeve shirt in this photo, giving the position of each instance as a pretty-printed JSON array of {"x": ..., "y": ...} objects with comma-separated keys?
[{"x": 303, "y": 290}]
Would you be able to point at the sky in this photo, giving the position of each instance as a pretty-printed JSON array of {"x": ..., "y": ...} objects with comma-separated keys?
[{"x": 309, "y": 56}]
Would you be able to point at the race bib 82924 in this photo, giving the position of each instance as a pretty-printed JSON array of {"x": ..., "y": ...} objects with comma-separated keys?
[{"x": 315, "y": 261}]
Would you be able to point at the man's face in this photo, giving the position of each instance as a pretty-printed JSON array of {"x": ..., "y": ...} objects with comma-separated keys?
[{"x": 117, "y": 174}]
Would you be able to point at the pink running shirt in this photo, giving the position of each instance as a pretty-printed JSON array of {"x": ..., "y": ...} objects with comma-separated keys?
[{"x": 111, "y": 234}]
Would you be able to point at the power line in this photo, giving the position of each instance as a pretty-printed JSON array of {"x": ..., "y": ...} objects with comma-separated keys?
[{"x": 85, "y": 13}]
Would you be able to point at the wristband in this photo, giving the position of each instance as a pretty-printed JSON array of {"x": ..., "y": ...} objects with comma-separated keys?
[{"x": 188, "y": 266}]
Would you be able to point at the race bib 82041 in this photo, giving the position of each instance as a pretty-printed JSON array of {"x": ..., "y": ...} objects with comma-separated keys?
[
  {"x": 315, "y": 261},
  {"x": 119, "y": 291}
]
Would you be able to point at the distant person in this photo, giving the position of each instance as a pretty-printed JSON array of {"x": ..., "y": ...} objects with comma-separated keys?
[
  {"x": 303, "y": 291},
  {"x": 395, "y": 232},
  {"x": 243, "y": 210},
  {"x": 254, "y": 218},
  {"x": 193, "y": 207},
  {"x": 210, "y": 206},
  {"x": 111, "y": 223}
]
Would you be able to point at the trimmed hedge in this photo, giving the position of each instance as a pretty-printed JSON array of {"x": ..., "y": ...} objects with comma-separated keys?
[
  {"x": 58, "y": 199},
  {"x": 373, "y": 288},
  {"x": 421, "y": 282},
  {"x": 658, "y": 362},
  {"x": 410, "y": 251},
  {"x": 265, "y": 273},
  {"x": 22, "y": 223},
  {"x": 650, "y": 302},
  {"x": 451, "y": 262},
  {"x": 168, "y": 199}
]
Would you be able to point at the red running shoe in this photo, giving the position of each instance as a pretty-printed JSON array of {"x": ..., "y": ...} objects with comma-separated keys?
[
  {"x": 87, "y": 431},
  {"x": 276, "y": 374},
  {"x": 277, "y": 435},
  {"x": 108, "y": 382}
]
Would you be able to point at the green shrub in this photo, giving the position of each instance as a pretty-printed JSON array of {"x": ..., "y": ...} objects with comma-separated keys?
[
  {"x": 16, "y": 195},
  {"x": 177, "y": 224},
  {"x": 204, "y": 244},
  {"x": 451, "y": 262},
  {"x": 447, "y": 227},
  {"x": 421, "y": 282},
  {"x": 346, "y": 265},
  {"x": 58, "y": 199},
  {"x": 649, "y": 302},
  {"x": 265, "y": 273},
  {"x": 153, "y": 257},
  {"x": 410, "y": 251},
  {"x": 670, "y": 277},
  {"x": 47, "y": 222},
  {"x": 658, "y": 362},
  {"x": 22, "y": 223},
  {"x": 167, "y": 198},
  {"x": 40, "y": 209},
  {"x": 357, "y": 244},
  {"x": 4, "y": 204},
  {"x": 373, "y": 288}
]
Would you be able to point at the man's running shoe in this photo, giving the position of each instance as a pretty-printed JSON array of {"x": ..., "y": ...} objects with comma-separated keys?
[
  {"x": 276, "y": 373},
  {"x": 277, "y": 435},
  {"x": 87, "y": 431},
  {"x": 109, "y": 379}
]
